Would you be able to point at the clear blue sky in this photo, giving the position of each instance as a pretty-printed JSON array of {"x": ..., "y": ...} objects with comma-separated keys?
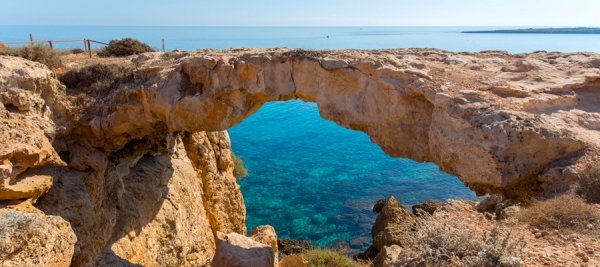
[{"x": 302, "y": 13}]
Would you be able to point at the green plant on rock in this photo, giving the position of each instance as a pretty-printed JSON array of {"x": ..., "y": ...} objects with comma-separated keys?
[{"x": 239, "y": 171}]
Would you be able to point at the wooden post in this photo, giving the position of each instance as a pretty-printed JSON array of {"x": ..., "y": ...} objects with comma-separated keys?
[
  {"x": 52, "y": 47},
  {"x": 84, "y": 45},
  {"x": 89, "y": 48},
  {"x": 31, "y": 38},
  {"x": 164, "y": 45}
]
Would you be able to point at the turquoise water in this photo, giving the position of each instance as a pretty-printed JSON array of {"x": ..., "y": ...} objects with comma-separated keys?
[
  {"x": 314, "y": 180},
  {"x": 310, "y": 178}
]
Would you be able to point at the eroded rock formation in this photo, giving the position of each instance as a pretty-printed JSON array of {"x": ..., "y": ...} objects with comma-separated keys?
[
  {"x": 515, "y": 125},
  {"x": 143, "y": 172}
]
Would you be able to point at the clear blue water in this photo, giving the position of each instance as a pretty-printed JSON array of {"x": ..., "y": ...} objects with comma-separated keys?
[
  {"x": 310, "y": 178},
  {"x": 190, "y": 38},
  {"x": 314, "y": 180}
]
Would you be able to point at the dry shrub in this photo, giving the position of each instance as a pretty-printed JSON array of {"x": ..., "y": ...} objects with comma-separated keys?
[
  {"x": 76, "y": 51},
  {"x": 565, "y": 212},
  {"x": 39, "y": 53},
  {"x": 441, "y": 242},
  {"x": 589, "y": 184},
  {"x": 328, "y": 258},
  {"x": 98, "y": 78},
  {"x": 124, "y": 47},
  {"x": 238, "y": 167}
]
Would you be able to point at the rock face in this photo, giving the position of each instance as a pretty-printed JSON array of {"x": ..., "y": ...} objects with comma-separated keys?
[
  {"x": 392, "y": 224},
  {"x": 143, "y": 172},
  {"x": 33, "y": 239},
  {"x": 156, "y": 201}
]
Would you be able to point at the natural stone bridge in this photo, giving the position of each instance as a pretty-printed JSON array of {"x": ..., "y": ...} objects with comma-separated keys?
[
  {"x": 145, "y": 169},
  {"x": 501, "y": 124}
]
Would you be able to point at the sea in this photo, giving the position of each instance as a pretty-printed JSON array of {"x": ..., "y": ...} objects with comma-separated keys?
[{"x": 307, "y": 177}]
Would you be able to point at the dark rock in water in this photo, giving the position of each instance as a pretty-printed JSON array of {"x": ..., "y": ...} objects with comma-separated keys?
[
  {"x": 293, "y": 246},
  {"x": 429, "y": 206},
  {"x": 339, "y": 245},
  {"x": 368, "y": 255},
  {"x": 379, "y": 205},
  {"x": 393, "y": 225},
  {"x": 359, "y": 242}
]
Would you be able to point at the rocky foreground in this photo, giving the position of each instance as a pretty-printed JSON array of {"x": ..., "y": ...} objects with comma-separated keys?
[{"x": 141, "y": 170}]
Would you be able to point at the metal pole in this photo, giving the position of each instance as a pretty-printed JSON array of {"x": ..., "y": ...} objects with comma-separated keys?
[
  {"x": 84, "y": 45},
  {"x": 50, "y": 42},
  {"x": 163, "y": 42},
  {"x": 31, "y": 38}
]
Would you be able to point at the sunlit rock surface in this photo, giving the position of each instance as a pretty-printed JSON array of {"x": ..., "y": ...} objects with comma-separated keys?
[{"x": 143, "y": 172}]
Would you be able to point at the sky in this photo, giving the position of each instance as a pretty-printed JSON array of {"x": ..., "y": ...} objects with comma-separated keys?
[{"x": 301, "y": 13}]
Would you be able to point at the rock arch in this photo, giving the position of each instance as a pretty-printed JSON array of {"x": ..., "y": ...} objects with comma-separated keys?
[{"x": 426, "y": 105}]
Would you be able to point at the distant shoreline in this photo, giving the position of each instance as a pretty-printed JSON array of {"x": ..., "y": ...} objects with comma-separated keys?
[{"x": 579, "y": 30}]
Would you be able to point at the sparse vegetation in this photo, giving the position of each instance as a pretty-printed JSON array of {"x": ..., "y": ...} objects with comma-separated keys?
[
  {"x": 589, "y": 185},
  {"x": 328, "y": 258},
  {"x": 566, "y": 212},
  {"x": 443, "y": 243},
  {"x": 238, "y": 167},
  {"x": 98, "y": 78},
  {"x": 39, "y": 53},
  {"x": 303, "y": 54},
  {"x": 124, "y": 47},
  {"x": 77, "y": 51}
]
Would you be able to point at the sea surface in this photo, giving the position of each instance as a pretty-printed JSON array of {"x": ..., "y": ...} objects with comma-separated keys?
[{"x": 310, "y": 178}]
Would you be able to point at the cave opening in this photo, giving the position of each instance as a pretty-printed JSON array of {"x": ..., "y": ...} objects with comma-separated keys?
[{"x": 312, "y": 179}]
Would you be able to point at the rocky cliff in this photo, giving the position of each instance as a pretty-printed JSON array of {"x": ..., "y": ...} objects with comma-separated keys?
[{"x": 143, "y": 172}]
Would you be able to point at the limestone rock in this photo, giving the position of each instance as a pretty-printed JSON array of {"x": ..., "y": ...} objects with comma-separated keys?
[
  {"x": 429, "y": 206},
  {"x": 31, "y": 187},
  {"x": 387, "y": 256},
  {"x": 265, "y": 234},
  {"x": 392, "y": 225},
  {"x": 293, "y": 260},
  {"x": 33, "y": 239},
  {"x": 489, "y": 203},
  {"x": 235, "y": 250}
]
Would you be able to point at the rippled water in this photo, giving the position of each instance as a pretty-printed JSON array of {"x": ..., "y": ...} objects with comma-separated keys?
[{"x": 314, "y": 180}]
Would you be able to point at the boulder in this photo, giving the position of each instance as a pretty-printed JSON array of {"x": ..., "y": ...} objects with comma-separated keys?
[
  {"x": 392, "y": 225},
  {"x": 293, "y": 260},
  {"x": 379, "y": 205},
  {"x": 265, "y": 234},
  {"x": 489, "y": 203},
  {"x": 35, "y": 239},
  {"x": 429, "y": 206},
  {"x": 235, "y": 250},
  {"x": 387, "y": 256}
]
